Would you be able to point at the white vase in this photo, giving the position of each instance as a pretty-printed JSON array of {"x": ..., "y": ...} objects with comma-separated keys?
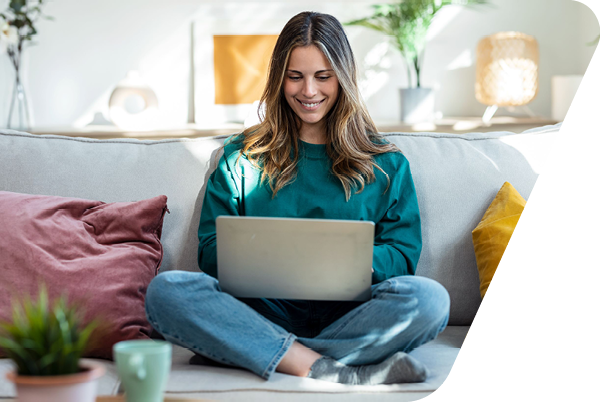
[{"x": 18, "y": 112}]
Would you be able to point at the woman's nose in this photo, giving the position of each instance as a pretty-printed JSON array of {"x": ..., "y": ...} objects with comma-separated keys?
[{"x": 309, "y": 90}]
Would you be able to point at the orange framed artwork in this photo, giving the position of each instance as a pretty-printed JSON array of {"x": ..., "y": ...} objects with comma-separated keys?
[{"x": 241, "y": 63}]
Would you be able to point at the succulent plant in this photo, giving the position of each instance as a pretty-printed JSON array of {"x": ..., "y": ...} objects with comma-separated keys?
[{"x": 44, "y": 339}]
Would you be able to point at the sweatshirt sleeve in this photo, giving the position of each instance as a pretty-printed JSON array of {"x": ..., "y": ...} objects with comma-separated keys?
[
  {"x": 221, "y": 198},
  {"x": 398, "y": 242}
]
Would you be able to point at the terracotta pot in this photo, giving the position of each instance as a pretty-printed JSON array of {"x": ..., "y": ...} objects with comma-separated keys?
[{"x": 79, "y": 387}]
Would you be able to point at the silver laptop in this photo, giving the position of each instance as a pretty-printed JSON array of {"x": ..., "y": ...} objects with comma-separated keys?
[{"x": 302, "y": 259}]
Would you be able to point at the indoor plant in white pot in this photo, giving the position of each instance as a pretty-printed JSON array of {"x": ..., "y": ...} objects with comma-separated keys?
[
  {"x": 406, "y": 22},
  {"x": 46, "y": 343}
]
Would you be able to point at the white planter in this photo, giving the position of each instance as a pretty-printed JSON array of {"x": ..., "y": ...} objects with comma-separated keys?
[
  {"x": 416, "y": 105},
  {"x": 80, "y": 387}
]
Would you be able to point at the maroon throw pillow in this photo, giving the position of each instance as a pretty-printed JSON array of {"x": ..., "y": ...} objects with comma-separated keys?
[{"x": 102, "y": 256}]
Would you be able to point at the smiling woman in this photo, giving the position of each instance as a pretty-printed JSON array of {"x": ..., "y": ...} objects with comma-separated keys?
[
  {"x": 321, "y": 157},
  {"x": 313, "y": 52}
]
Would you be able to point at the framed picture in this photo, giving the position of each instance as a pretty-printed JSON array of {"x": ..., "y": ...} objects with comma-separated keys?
[{"x": 232, "y": 47}]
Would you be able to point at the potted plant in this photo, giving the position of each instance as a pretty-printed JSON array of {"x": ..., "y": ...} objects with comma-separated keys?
[
  {"x": 407, "y": 23},
  {"x": 46, "y": 343}
]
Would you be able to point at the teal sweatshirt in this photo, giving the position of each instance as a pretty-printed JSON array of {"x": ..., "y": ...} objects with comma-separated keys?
[{"x": 235, "y": 189}]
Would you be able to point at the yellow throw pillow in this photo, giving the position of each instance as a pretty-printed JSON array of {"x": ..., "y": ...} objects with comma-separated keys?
[{"x": 491, "y": 236}]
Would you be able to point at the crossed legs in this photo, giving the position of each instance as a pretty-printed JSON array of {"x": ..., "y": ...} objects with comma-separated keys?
[{"x": 190, "y": 310}]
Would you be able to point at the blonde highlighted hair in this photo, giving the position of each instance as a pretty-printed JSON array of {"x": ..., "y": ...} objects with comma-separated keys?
[{"x": 351, "y": 137}]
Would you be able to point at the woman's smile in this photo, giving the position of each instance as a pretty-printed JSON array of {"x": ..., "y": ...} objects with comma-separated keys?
[{"x": 310, "y": 105}]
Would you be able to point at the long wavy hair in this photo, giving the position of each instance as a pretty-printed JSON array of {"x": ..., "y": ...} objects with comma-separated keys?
[{"x": 351, "y": 137}]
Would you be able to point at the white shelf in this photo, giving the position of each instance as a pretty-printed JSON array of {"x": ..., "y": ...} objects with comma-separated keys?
[{"x": 455, "y": 125}]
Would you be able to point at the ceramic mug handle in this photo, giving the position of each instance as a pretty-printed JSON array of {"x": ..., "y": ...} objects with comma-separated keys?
[{"x": 136, "y": 363}]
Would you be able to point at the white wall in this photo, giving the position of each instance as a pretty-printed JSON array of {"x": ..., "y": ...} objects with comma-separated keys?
[
  {"x": 588, "y": 31},
  {"x": 91, "y": 45}
]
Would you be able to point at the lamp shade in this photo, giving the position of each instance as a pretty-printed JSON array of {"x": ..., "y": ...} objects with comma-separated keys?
[{"x": 507, "y": 69}]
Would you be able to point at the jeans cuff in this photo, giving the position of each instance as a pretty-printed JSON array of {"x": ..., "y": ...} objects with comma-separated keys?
[{"x": 287, "y": 343}]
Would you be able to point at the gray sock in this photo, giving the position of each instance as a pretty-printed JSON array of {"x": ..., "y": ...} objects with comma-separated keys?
[{"x": 399, "y": 368}]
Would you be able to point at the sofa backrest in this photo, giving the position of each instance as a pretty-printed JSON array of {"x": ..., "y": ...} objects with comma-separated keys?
[{"x": 456, "y": 177}]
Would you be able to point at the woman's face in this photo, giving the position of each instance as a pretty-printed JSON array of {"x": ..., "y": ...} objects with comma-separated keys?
[{"x": 310, "y": 86}]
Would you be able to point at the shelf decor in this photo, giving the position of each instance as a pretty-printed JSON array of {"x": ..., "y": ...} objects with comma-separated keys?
[
  {"x": 507, "y": 71},
  {"x": 133, "y": 105}
]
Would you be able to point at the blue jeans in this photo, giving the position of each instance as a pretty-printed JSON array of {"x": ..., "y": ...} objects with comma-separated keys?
[{"x": 189, "y": 309}]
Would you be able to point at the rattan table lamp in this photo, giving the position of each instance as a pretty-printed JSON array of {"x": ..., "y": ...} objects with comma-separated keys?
[{"x": 507, "y": 72}]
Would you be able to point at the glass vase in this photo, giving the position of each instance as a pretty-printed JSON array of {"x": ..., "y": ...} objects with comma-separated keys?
[{"x": 18, "y": 112}]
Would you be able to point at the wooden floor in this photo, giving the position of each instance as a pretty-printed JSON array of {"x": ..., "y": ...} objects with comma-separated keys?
[{"x": 454, "y": 125}]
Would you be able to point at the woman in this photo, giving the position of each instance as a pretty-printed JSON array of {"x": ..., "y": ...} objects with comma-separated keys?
[{"x": 316, "y": 154}]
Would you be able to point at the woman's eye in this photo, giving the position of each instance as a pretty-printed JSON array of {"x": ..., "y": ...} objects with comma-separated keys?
[
  {"x": 324, "y": 77},
  {"x": 294, "y": 78}
]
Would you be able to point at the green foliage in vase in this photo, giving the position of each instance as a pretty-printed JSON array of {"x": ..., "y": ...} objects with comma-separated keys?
[
  {"x": 22, "y": 15},
  {"x": 407, "y": 23},
  {"x": 17, "y": 26},
  {"x": 44, "y": 339}
]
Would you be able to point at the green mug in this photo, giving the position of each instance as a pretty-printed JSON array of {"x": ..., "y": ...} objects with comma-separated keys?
[{"x": 143, "y": 366}]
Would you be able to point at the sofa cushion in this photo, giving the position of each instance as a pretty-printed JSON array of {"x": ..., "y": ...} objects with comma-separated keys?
[
  {"x": 102, "y": 256},
  {"x": 438, "y": 356},
  {"x": 492, "y": 234}
]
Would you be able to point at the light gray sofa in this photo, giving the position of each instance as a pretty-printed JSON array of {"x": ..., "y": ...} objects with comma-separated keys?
[{"x": 456, "y": 177}]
